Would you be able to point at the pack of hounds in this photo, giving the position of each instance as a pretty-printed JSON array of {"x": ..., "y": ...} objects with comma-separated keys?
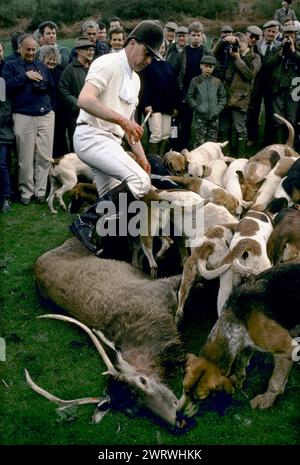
[{"x": 250, "y": 243}]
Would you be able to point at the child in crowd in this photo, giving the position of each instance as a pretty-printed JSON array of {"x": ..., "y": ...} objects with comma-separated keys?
[{"x": 207, "y": 97}]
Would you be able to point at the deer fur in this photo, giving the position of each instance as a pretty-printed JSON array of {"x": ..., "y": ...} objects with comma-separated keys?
[{"x": 135, "y": 313}]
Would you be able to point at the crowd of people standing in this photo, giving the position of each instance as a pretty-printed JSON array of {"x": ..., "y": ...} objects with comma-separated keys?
[{"x": 220, "y": 85}]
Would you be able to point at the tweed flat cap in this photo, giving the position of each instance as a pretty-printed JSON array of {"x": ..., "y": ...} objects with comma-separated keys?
[
  {"x": 271, "y": 23},
  {"x": 171, "y": 25},
  {"x": 83, "y": 42},
  {"x": 208, "y": 60},
  {"x": 255, "y": 30},
  {"x": 226, "y": 28},
  {"x": 182, "y": 30},
  {"x": 291, "y": 28}
]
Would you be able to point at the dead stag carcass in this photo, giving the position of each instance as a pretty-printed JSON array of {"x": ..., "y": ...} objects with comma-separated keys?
[{"x": 135, "y": 312}]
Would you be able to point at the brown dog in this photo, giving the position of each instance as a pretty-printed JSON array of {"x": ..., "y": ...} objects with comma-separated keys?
[
  {"x": 256, "y": 317},
  {"x": 84, "y": 193},
  {"x": 284, "y": 241}
]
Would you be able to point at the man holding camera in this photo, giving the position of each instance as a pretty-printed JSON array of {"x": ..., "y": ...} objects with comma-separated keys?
[
  {"x": 285, "y": 66},
  {"x": 262, "y": 91},
  {"x": 29, "y": 86},
  {"x": 239, "y": 77}
]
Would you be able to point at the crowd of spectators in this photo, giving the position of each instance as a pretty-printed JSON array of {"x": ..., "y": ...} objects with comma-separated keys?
[{"x": 221, "y": 84}]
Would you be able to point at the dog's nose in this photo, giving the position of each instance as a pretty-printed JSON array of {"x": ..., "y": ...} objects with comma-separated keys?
[{"x": 183, "y": 422}]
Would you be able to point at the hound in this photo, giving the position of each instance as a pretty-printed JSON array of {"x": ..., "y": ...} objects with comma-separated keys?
[
  {"x": 63, "y": 176},
  {"x": 264, "y": 161},
  {"x": 210, "y": 191},
  {"x": 284, "y": 242},
  {"x": 194, "y": 163},
  {"x": 247, "y": 254},
  {"x": 256, "y": 317},
  {"x": 209, "y": 253},
  {"x": 273, "y": 179}
]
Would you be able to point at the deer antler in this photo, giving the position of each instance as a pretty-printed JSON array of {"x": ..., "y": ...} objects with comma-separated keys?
[
  {"x": 111, "y": 369},
  {"x": 61, "y": 402}
]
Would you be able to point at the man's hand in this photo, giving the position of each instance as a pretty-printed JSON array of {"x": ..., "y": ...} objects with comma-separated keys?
[
  {"x": 234, "y": 55},
  {"x": 34, "y": 76},
  {"x": 143, "y": 162},
  {"x": 133, "y": 131}
]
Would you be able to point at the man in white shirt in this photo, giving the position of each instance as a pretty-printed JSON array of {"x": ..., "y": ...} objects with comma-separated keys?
[{"x": 108, "y": 101}]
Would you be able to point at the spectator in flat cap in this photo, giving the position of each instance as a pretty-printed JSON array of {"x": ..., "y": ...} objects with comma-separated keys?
[
  {"x": 207, "y": 98},
  {"x": 239, "y": 78},
  {"x": 220, "y": 51},
  {"x": 72, "y": 81},
  {"x": 181, "y": 40},
  {"x": 226, "y": 28},
  {"x": 186, "y": 68},
  {"x": 273, "y": 24},
  {"x": 285, "y": 13},
  {"x": 285, "y": 65},
  {"x": 262, "y": 92},
  {"x": 253, "y": 34},
  {"x": 169, "y": 36}
]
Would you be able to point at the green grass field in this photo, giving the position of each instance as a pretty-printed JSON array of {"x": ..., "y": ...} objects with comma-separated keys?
[{"x": 62, "y": 359}]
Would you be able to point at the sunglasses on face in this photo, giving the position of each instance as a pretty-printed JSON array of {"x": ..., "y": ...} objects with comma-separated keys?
[{"x": 252, "y": 36}]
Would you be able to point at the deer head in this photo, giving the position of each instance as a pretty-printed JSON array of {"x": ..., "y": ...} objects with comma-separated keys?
[{"x": 145, "y": 392}]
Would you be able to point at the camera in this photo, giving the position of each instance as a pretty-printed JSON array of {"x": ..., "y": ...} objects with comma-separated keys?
[
  {"x": 40, "y": 86},
  {"x": 235, "y": 47}
]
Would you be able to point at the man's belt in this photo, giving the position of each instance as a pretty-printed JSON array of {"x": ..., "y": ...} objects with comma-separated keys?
[{"x": 83, "y": 123}]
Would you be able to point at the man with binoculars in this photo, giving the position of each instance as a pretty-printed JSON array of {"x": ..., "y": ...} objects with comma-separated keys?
[
  {"x": 29, "y": 85},
  {"x": 285, "y": 66},
  {"x": 239, "y": 77}
]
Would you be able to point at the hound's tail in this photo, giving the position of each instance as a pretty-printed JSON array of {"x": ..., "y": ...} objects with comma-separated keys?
[
  {"x": 291, "y": 137},
  {"x": 245, "y": 246},
  {"x": 50, "y": 159},
  {"x": 206, "y": 250},
  {"x": 223, "y": 144}
]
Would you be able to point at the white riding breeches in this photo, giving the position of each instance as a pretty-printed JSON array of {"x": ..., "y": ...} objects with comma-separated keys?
[{"x": 110, "y": 164}]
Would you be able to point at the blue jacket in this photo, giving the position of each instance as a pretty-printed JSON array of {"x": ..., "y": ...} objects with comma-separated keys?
[
  {"x": 159, "y": 87},
  {"x": 25, "y": 96}
]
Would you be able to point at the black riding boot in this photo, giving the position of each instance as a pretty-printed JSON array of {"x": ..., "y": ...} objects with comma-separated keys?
[{"x": 83, "y": 227}]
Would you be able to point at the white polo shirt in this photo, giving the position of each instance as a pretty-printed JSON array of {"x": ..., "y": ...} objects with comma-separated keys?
[{"x": 118, "y": 87}]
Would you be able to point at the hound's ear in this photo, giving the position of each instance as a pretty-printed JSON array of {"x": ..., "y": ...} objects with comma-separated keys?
[
  {"x": 274, "y": 158},
  {"x": 186, "y": 154},
  {"x": 260, "y": 183},
  {"x": 207, "y": 170},
  {"x": 194, "y": 369},
  {"x": 226, "y": 385},
  {"x": 241, "y": 176}
]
